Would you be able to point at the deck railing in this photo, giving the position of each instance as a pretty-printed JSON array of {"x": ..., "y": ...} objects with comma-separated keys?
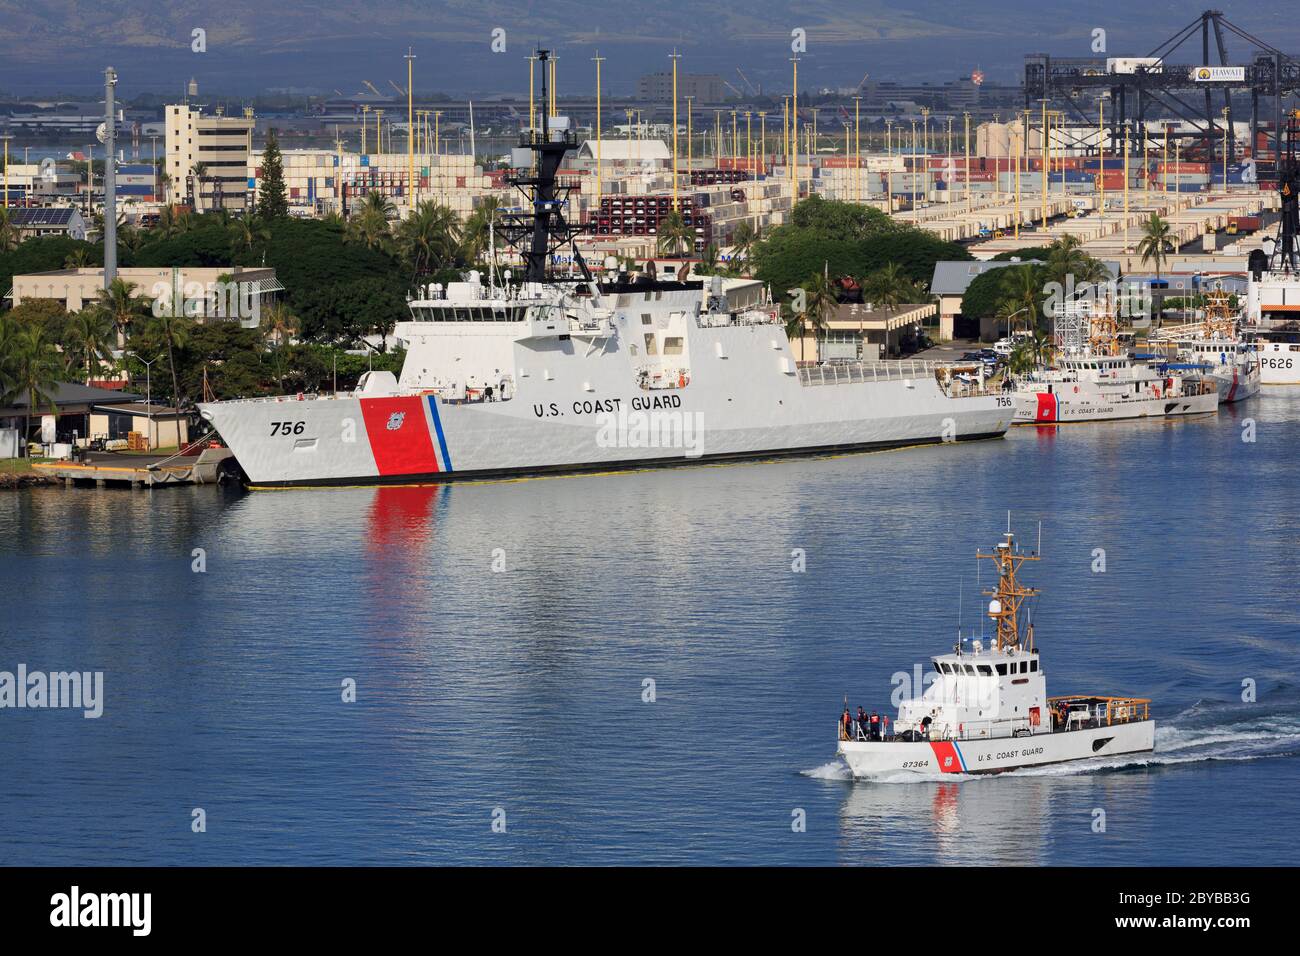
[{"x": 849, "y": 373}]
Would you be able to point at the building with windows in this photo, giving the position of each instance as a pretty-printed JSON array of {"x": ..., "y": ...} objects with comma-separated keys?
[
  {"x": 658, "y": 87},
  {"x": 207, "y": 158}
]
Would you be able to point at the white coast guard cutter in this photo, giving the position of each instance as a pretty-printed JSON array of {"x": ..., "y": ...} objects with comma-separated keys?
[
  {"x": 987, "y": 710},
  {"x": 553, "y": 374}
]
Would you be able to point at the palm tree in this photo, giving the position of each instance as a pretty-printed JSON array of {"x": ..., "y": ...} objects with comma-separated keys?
[
  {"x": 369, "y": 224},
  {"x": 430, "y": 236},
  {"x": 29, "y": 368},
  {"x": 1066, "y": 259},
  {"x": 200, "y": 171},
  {"x": 479, "y": 227},
  {"x": 78, "y": 258},
  {"x": 743, "y": 240},
  {"x": 174, "y": 331},
  {"x": 1021, "y": 360},
  {"x": 820, "y": 303},
  {"x": 172, "y": 223},
  {"x": 9, "y": 235},
  {"x": 121, "y": 306},
  {"x": 1024, "y": 295},
  {"x": 709, "y": 264},
  {"x": 888, "y": 286},
  {"x": 1156, "y": 243},
  {"x": 88, "y": 337},
  {"x": 277, "y": 326},
  {"x": 674, "y": 234},
  {"x": 246, "y": 232}
]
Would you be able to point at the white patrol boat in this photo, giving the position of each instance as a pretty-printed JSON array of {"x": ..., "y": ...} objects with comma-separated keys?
[
  {"x": 555, "y": 374},
  {"x": 987, "y": 709},
  {"x": 1091, "y": 381},
  {"x": 1214, "y": 351}
]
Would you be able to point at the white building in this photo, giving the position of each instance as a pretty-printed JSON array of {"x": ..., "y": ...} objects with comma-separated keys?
[{"x": 220, "y": 145}]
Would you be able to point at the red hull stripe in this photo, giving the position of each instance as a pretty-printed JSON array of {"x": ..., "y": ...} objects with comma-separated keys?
[
  {"x": 1046, "y": 407},
  {"x": 945, "y": 752},
  {"x": 399, "y": 435}
]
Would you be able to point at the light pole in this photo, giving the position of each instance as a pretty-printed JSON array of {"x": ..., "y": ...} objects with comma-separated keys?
[
  {"x": 1227, "y": 125},
  {"x": 148, "y": 394}
]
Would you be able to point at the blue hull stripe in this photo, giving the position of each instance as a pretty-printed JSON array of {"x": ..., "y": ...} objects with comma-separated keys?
[
  {"x": 437, "y": 426},
  {"x": 959, "y": 756}
]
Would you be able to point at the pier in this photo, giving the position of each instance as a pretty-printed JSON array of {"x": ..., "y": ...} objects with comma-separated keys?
[{"x": 103, "y": 469}]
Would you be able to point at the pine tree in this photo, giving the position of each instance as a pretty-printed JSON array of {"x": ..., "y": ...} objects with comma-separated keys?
[{"x": 272, "y": 202}]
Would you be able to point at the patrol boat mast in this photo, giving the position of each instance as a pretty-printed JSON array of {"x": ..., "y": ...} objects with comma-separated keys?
[{"x": 1004, "y": 609}]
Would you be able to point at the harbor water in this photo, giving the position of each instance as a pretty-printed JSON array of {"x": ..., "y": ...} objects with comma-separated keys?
[{"x": 648, "y": 667}]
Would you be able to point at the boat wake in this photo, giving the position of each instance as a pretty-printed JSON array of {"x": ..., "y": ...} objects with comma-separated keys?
[
  {"x": 835, "y": 770},
  {"x": 1208, "y": 730}
]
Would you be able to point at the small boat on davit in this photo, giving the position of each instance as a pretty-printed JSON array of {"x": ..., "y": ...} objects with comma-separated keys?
[{"x": 986, "y": 709}]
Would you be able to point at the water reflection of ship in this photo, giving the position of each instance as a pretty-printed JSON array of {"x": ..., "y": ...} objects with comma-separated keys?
[
  {"x": 401, "y": 519},
  {"x": 1008, "y": 820}
]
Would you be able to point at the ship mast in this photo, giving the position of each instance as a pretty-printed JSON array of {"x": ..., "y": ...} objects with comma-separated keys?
[
  {"x": 537, "y": 234},
  {"x": 1009, "y": 594}
]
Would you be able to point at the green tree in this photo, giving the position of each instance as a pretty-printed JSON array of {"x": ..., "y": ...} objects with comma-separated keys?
[
  {"x": 30, "y": 368},
  {"x": 272, "y": 198},
  {"x": 474, "y": 237},
  {"x": 429, "y": 237},
  {"x": 200, "y": 172},
  {"x": 247, "y": 233},
  {"x": 173, "y": 333},
  {"x": 675, "y": 237},
  {"x": 1155, "y": 245},
  {"x": 743, "y": 241},
  {"x": 889, "y": 287},
  {"x": 820, "y": 302},
  {"x": 88, "y": 339},
  {"x": 121, "y": 306},
  {"x": 278, "y": 325},
  {"x": 1021, "y": 361},
  {"x": 369, "y": 224},
  {"x": 9, "y": 236}
]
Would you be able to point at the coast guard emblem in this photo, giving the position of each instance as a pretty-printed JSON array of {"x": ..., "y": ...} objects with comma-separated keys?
[{"x": 395, "y": 421}]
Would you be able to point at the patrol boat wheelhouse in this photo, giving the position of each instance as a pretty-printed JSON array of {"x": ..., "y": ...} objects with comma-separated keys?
[
  {"x": 987, "y": 709},
  {"x": 1091, "y": 381},
  {"x": 561, "y": 374}
]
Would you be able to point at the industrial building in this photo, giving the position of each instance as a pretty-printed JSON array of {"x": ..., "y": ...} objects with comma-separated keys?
[{"x": 658, "y": 87}]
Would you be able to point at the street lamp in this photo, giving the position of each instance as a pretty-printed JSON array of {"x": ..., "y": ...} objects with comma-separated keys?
[{"x": 148, "y": 392}]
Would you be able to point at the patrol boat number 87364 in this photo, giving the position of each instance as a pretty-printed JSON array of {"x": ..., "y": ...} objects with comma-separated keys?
[{"x": 987, "y": 709}]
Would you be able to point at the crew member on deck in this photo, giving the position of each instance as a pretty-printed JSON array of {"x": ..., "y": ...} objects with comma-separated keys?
[
  {"x": 875, "y": 726},
  {"x": 862, "y": 723},
  {"x": 925, "y": 726},
  {"x": 846, "y": 724}
]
